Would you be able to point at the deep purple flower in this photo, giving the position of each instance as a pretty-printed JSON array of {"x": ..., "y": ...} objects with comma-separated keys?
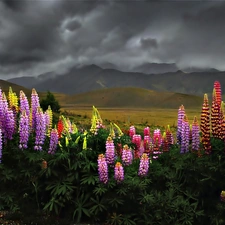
[
  {"x": 9, "y": 124},
  {"x": 3, "y": 112},
  {"x": 34, "y": 107},
  {"x": 110, "y": 151},
  {"x": 144, "y": 165},
  {"x": 181, "y": 113},
  {"x": 119, "y": 172},
  {"x": 185, "y": 135},
  {"x": 127, "y": 155},
  {"x": 24, "y": 104},
  {"x": 195, "y": 135},
  {"x": 24, "y": 130},
  {"x": 53, "y": 141},
  {"x": 102, "y": 169},
  {"x": 40, "y": 130},
  {"x": 0, "y": 145}
]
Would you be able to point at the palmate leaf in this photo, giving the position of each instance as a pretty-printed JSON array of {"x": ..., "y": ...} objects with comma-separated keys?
[
  {"x": 100, "y": 190},
  {"x": 89, "y": 179},
  {"x": 98, "y": 206},
  {"x": 115, "y": 202}
]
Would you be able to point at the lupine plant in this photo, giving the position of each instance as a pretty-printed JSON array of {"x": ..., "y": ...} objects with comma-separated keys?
[{"x": 61, "y": 174}]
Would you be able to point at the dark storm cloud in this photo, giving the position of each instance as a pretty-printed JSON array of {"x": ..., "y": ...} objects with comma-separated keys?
[{"x": 40, "y": 36}]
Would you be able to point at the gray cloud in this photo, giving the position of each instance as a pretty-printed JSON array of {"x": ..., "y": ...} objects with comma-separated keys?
[{"x": 40, "y": 36}]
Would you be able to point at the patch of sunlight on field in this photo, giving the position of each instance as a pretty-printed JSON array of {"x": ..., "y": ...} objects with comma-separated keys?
[{"x": 135, "y": 116}]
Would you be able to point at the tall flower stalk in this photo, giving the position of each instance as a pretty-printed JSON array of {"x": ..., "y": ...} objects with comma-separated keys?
[
  {"x": 181, "y": 112},
  {"x": 144, "y": 165},
  {"x": 23, "y": 130},
  {"x": 127, "y": 155},
  {"x": 53, "y": 141},
  {"x": 185, "y": 135},
  {"x": 118, "y": 172},
  {"x": 102, "y": 169},
  {"x": 110, "y": 151},
  {"x": 195, "y": 135}
]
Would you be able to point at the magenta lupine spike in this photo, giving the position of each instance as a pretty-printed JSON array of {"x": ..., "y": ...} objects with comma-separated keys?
[
  {"x": 119, "y": 172},
  {"x": 0, "y": 145},
  {"x": 144, "y": 165},
  {"x": 40, "y": 130},
  {"x": 132, "y": 131},
  {"x": 195, "y": 135},
  {"x": 147, "y": 141},
  {"x": 24, "y": 104},
  {"x": 102, "y": 169},
  {"x": 24, "y": 130},
  {"x": 169, "y": 136},
  {"x": 157, "y": 136},
  {"x": 127, "y": 155},
  {"x": 181, "y": 112},
  {"x": 136, "y": 139},
  {"x": 110, "y": 151},
  {"x": 35, "y": 104},
  {"x": 53, "y": 141},
  {"x": 185, "y": 134},
  {"x": 9, "y": 124},
  {"x": 146, "y": 131}
]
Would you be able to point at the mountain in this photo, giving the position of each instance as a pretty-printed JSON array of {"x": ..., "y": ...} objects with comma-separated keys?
[
  {"x": 199, "y": 69},
  {"x": 155, "y": 68},
  {"x": 92, "y": 77}
]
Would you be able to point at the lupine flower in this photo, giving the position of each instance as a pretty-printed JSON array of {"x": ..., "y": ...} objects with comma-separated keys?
[
  {"x": 53, "y": 141},
  {"x": 132, "y": 131},
  {"x": 13, "y": 100},
  {"x": 24, "y": 104},
  {"x": 165, "y": 144},
  {"x": 119, "y": 172},
  {"x": 147, "y": 141},
  {"x": 195, "y": 135},
  {"x": 9, "y": 124},
  {"x": 144, "y": 165},
  {"x": 146, "y": 131},
  {"x": 110, "y": 151},
  {"x": 222, "y": 196},
  {"x": 23, "y": 130},
  {"x": 49, "y": 112},
  {"x": 185, "y": 135},
  {"x": 60, "y": 127},
  {"x": 169, "y": 136},
  {"x": 205, "y": 125},
  {"x": 35, "y": 104},
  {"x": 0, "y": 145},
  {"x": 127, "y": 155},
  {"x": 136, "y": 139},
  {"x": 40, "y": 130},
  {"x": 157, "y": 142},
  {"x": 218, "y": 93},
  {"x": 96, "y": 121},
  {"x": 3, "y": 112},
  {"x": 181, "y": 113},
  {"x": 102, "y": 169}
]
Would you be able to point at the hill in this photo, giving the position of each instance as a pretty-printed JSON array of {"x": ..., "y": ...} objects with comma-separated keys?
[{"x": 132, "y": 97}]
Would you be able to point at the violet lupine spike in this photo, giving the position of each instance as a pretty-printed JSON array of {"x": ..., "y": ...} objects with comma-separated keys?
[
  {"x": 185, "y": 134},
  {"x": 102, "y": 169},
  {"x": 53, "y": 141},
  {"x": 40, "y": 130},
  {"x": 110, "y": 151},
  {"x": 181, "y": 112},
  {"x": 9, "y": 124},
  {"x": 23, "y": 130},
  {"x": 35, "y": 104},
  {"x": 119, "y": 172},
  {"x": 3, "y": 111},
  {"x": 0, "y": 145},
  {"x": 195, "y": 135},
  {"x": 47, "y": 121},
  {"x": 127, "y": 155},
  {"x": 24, "y": 104},
  {"x": 144, "y": 165},
  {"x": 132, "y": 131}
]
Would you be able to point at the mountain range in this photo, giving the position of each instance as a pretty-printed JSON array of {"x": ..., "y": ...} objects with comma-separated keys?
[{"x": 92, "y": 77}]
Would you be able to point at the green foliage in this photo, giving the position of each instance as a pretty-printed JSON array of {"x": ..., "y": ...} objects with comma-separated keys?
[{"x": 50, "y": 100}]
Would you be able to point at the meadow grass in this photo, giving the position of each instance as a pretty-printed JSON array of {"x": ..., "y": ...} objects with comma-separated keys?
[{"x": 140, "y": 117}]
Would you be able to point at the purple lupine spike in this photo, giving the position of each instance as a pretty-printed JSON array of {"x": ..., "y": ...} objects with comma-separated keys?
[
  {"x": 47, "y": 120},
  {"x": 102, "y": 169},
  {"x": 127, "y": 155},
  {"x": 9, "y": 124},
  {"x": 23, "y": 130},
  {"x": 119, "y": 172},
  {"x": 110, "y": 151},
  {"x": 40, "y": 129},
  {"x": 0, "y": 145},
  {"x": 35, "y": 104},
  {"x": 53, "y": 141},
  {"x": 185, "y": 135},
  {"x": 195, "y": 135},
  {"x": 144, "y": 165},
  {"x": 3, "y": 111},
  {"x": 181, "y": 113},
  {"x": 24, "y": 104}
]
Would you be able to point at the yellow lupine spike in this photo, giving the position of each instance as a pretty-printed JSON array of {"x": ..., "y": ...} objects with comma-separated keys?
[
  {"x": 77, "y": 140},
  {"x": 84, "y": 143},
  {"x": 74, "y": 128},
  {"x": 66, "y": 127},
  {"x": 67, "y": 141},
  {"x": 111, "y": 133},
  {"x": 49, "y": 111},
  {"x": 118, "y": 129}
]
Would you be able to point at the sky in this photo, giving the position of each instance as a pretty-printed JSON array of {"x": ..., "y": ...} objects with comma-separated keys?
[{"x": 38, "y": 36}]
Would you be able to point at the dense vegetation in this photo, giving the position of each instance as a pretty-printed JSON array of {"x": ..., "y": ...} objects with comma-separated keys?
[{"x": 64, "y": 174}]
